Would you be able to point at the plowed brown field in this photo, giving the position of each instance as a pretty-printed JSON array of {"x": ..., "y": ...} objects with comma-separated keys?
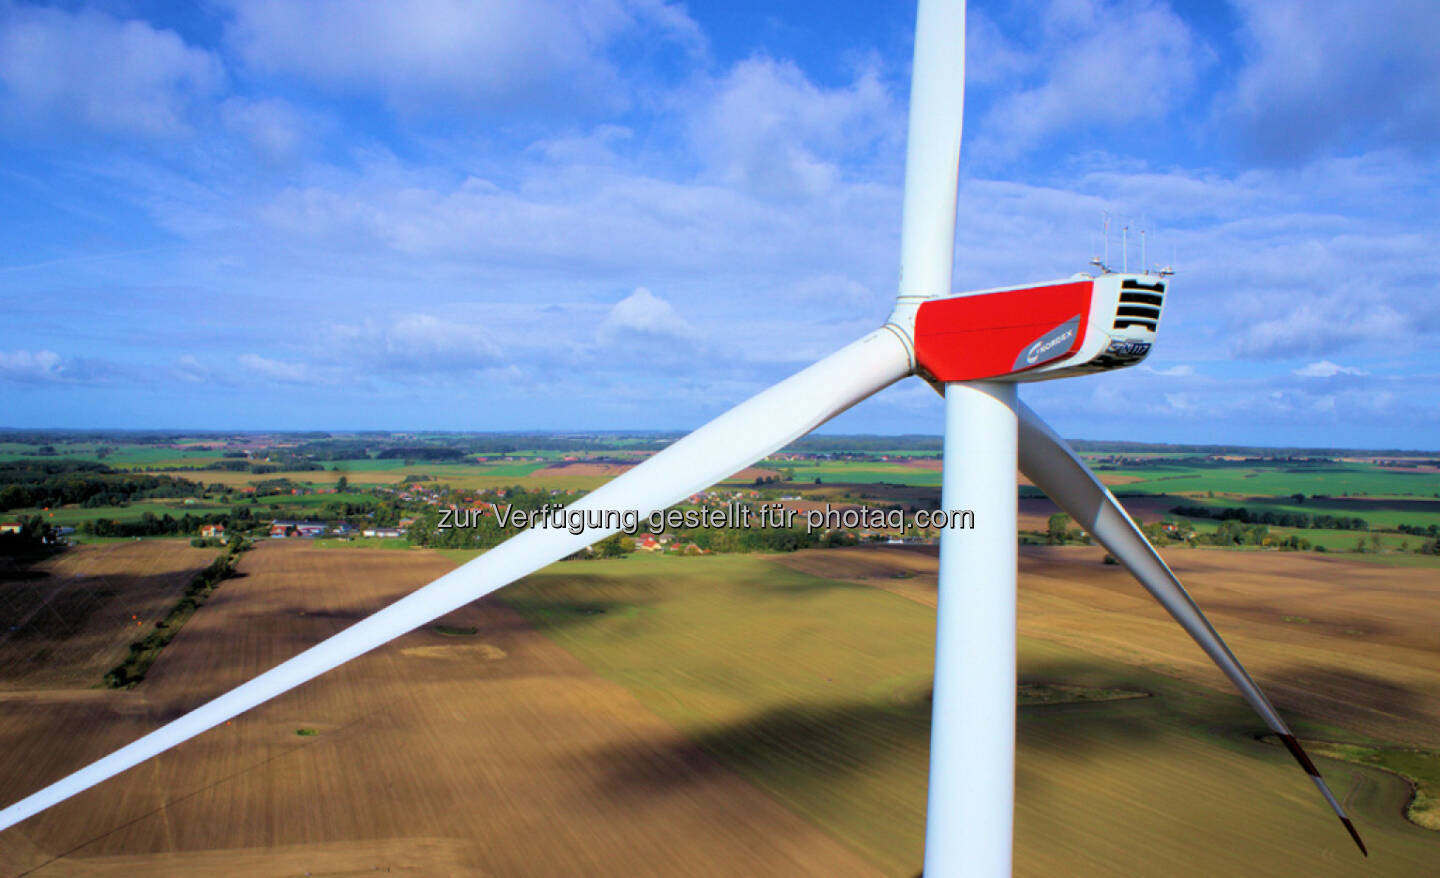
[
  {"x": 66, "y": 621},
  {"x": 435, "y": 755}
]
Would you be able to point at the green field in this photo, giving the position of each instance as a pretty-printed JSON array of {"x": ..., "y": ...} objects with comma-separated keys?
[
  {"x": 1271, "y": 479},
  {"x": 1332, "y": 540},
  {"x": 1280, "y": 480},
  {"x": 72, "y": 516},
  {"x": 438, "y": 470},
  {"x": 120, "y": 456},
  {"x": 1382, "y": 514},
  {"x": 816, "y": 691},
  {"x": 858, "y": 472}
]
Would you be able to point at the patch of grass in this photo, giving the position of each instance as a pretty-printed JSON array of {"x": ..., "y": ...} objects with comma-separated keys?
[
  {"x": 1420, "y": 767},
  {"x": 307, "y": 733}
]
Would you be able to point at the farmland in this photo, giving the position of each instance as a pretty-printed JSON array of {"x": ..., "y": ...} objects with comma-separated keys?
[
  {"x": 641, "y": 702},
  {"x": 436, "y": 755},
  {"x": 1278, "y": 478},
  {"x": 67, "y": 620},
  {"x": 782, "y": 695},
  {"x": 813, "y": 688}
]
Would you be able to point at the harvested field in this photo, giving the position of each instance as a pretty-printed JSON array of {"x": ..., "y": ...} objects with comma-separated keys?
[
  {"x": 1350, "y": 644},
  {"x": 491, "y": 754},
  {"x": 67, "y": 620},
  {"x": 318, "y": 477},
  {"x": 1035, "y": 512},
  {"x": 816, "y": 690},
  {"x": 584, "y": 468},
  {"x": 571, "y": 468}
]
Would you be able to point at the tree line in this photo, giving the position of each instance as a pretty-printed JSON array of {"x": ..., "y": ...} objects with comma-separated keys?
[
  {"x": 29, "y": 483},
  {"x": 1303, "y": 520}
]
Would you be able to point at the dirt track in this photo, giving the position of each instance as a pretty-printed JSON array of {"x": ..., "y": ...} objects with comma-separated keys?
[{"x": 492, "y": 754}]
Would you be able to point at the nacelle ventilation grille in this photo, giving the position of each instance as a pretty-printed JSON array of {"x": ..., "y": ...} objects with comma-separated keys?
[{"x": 1139, "y": 304}]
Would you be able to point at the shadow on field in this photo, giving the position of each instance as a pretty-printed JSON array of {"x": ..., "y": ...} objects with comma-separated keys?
[
  {"x": 554, "y": 602},
  {"x": 1352, "y": 696},
  {"x": 784, "y": 743},
  {"x": 552, "y": 614},
  {"x": 800, "y": 584},
  {"x": 38, "y": 607},
  {"x": 814, "y": 742}
]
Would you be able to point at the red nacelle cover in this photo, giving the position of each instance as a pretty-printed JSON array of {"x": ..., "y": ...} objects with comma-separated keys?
[{"x": 987, "y": 335}]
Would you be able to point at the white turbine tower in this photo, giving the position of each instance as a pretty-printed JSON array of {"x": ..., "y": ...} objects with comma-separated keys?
[{"x": 975, "y": 347}]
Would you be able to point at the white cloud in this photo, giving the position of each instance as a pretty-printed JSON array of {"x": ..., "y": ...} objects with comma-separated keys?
[
  {"x": 109, "y": 75},
  {"x": 188, "y": 368},
  {"x": 276, "y": 370},
  {"x": 1319, "y": 323},
  {"x": 1334, "y": 73},
  {"x": 1327, "y": 369},
  {"x": 767, "y": 129},
  {"x": 425, "y": 54},
  {"x": 1180, "y": 371},
  {"x": 31, "y": 366},
  {"x": 47, "y": 366},
  {"x": 1097, "y": 62},
  {"x": 414, "y": 345},
  {"x": 646, "y": 314},
  {"x": 274, "y": 128}
]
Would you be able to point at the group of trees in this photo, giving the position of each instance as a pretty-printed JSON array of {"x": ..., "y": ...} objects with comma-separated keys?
[
  {"x": 31, "y": 483},
  {"x": 1058, "y": 531},
  {"x": 144, "y": 651},
  {"x": 754, "y": 539},
  {"x": 35, "y": 536},
  {"x": 1302, "y": 520},
  {"x": 421, "y": 452},
  {"x": 151, "y": 525},
  {"x": 1234, "y": 532}
]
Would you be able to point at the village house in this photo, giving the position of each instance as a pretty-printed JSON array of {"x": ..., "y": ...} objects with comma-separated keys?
[
  {"x": 212, "y": 530},
  {"x": 309, "y": 529}
]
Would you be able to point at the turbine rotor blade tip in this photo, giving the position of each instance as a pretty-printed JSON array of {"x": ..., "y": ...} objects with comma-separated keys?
[
  {"x": 1355, "y": 835},
  {"x": 1293, "y": 745}
]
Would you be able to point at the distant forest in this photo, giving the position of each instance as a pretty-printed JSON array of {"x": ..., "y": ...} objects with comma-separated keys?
[{"x": 321, "y": 445}]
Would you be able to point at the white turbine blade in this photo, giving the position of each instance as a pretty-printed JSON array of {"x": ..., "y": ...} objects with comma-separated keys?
[
  {"x": 932, "y": 162},
  {"x": 932, "y": 150},
  {"x": 1049, "y": 462},
  {"x": 729, "y": 443}
]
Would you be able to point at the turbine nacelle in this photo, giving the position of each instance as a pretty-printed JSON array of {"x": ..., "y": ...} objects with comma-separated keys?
[{"x": 1066, "y": 327}]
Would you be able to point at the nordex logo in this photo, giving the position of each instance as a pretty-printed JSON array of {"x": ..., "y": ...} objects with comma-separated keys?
[{"x": 1050, "y": 345}]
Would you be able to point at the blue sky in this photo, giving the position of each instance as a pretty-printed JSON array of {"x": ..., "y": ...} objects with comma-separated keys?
[{"x": 612, "y": 214}]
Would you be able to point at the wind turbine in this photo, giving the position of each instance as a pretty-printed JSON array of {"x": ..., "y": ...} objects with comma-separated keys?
[{"x": 976, "y": 348}]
